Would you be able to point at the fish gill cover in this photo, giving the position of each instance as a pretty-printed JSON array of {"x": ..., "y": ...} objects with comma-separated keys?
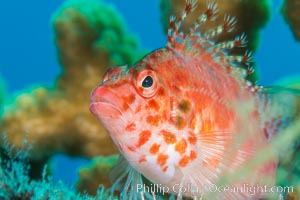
[{"x": 89, "y": 42}]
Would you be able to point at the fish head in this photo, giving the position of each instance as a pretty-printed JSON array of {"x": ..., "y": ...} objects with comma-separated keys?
[
  {"x": 143, "y": 105},
  {"x": 125, "y": 96}
]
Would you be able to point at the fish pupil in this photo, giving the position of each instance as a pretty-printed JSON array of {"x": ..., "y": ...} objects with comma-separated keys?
[{"x": 147, "y": 82}]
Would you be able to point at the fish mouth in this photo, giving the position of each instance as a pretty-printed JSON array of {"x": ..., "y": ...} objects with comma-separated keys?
[{"x": 105, "y": 103}]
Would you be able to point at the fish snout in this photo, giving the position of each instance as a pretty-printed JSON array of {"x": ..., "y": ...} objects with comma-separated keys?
[{"x": 105, "y": 103}]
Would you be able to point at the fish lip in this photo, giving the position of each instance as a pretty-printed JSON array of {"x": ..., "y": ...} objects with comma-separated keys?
[
  {"x": 104, "y": 102},
  {"x": 98, "y": 97},
  {"x": 114, "y": 111}
]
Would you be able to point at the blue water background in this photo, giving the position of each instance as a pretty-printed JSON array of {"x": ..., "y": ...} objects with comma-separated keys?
[{"x": 28, "y": 55}]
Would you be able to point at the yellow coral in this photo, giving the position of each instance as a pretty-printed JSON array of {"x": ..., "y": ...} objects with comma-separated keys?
[
  {"x": 291, "y": 11},
  {"x": 90, "y": 37}
]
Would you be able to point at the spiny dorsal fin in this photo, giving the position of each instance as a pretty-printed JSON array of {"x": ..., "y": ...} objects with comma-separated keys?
[
  {"x": 197, "y": 43},
  {"x": 175, "y": 25}
]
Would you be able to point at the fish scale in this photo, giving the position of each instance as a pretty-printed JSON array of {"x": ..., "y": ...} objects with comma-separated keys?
[{"x": 185, "y": 114}]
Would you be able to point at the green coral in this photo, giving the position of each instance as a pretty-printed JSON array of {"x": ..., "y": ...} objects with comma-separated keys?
[
  {"x": 16, "y": 183},
  {"x": 92, "y": 27}
]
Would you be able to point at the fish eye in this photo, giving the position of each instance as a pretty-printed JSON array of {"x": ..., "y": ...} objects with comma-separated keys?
[{"x": 147, "y": 82}]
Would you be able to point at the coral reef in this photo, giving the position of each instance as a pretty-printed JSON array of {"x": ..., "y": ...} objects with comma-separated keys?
[
  {"x": 90, "y": 37},
  {"x": 291, "y": 12},
  {"x": 96, "y": 173}
]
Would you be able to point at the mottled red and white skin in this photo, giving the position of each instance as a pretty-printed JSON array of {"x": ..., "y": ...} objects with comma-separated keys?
[{"x": 185, "y": 114}]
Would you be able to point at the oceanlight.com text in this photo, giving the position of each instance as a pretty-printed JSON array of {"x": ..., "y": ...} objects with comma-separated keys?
[{"x": 212, "y": 188}]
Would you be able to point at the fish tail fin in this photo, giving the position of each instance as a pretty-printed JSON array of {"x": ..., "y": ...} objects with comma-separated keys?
[
  {"x": 287, "y": 144},
  {"x": 279, "y": 107}
]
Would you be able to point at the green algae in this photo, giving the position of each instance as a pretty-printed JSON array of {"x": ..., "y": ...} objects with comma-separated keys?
[{"x": 97, "y": 27}]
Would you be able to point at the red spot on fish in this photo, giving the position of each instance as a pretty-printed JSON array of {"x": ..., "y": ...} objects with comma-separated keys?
[
  {"x": 130, "y": 127},
  {"x": 170, "y": 138},
  {"x": 138, "y": 109},
  {"x": 142, "y": 159},
  {"x": 193, "y": 155},
  {"x": 192, "y": 138},
  {"x": 179, "y": 122},
  {"x": 184, "y": 106},
  {"x": 161, "y": 91},
  {"x": 131, "y": 98},
  {"x": 154, "y": 148},
  {"x": 175, "y": 88},
  {"x": 153, "y": 120},
  {"x": 164, "y": 169},
  {"x": 162, "y": 159},
  {"x": 140, "y": 90},
  {"x": 153, "y": 104},
  {"x": 181, "y": 146},
  {"x": 131, "y": 148},
  {"x": 265, "y": 132},
  {"x": 183, "y": 161},
  {"x": 143, "y": 138}
]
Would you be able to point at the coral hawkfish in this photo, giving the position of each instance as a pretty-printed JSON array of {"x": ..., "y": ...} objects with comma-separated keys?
[{"x": 186, "y": 115}]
